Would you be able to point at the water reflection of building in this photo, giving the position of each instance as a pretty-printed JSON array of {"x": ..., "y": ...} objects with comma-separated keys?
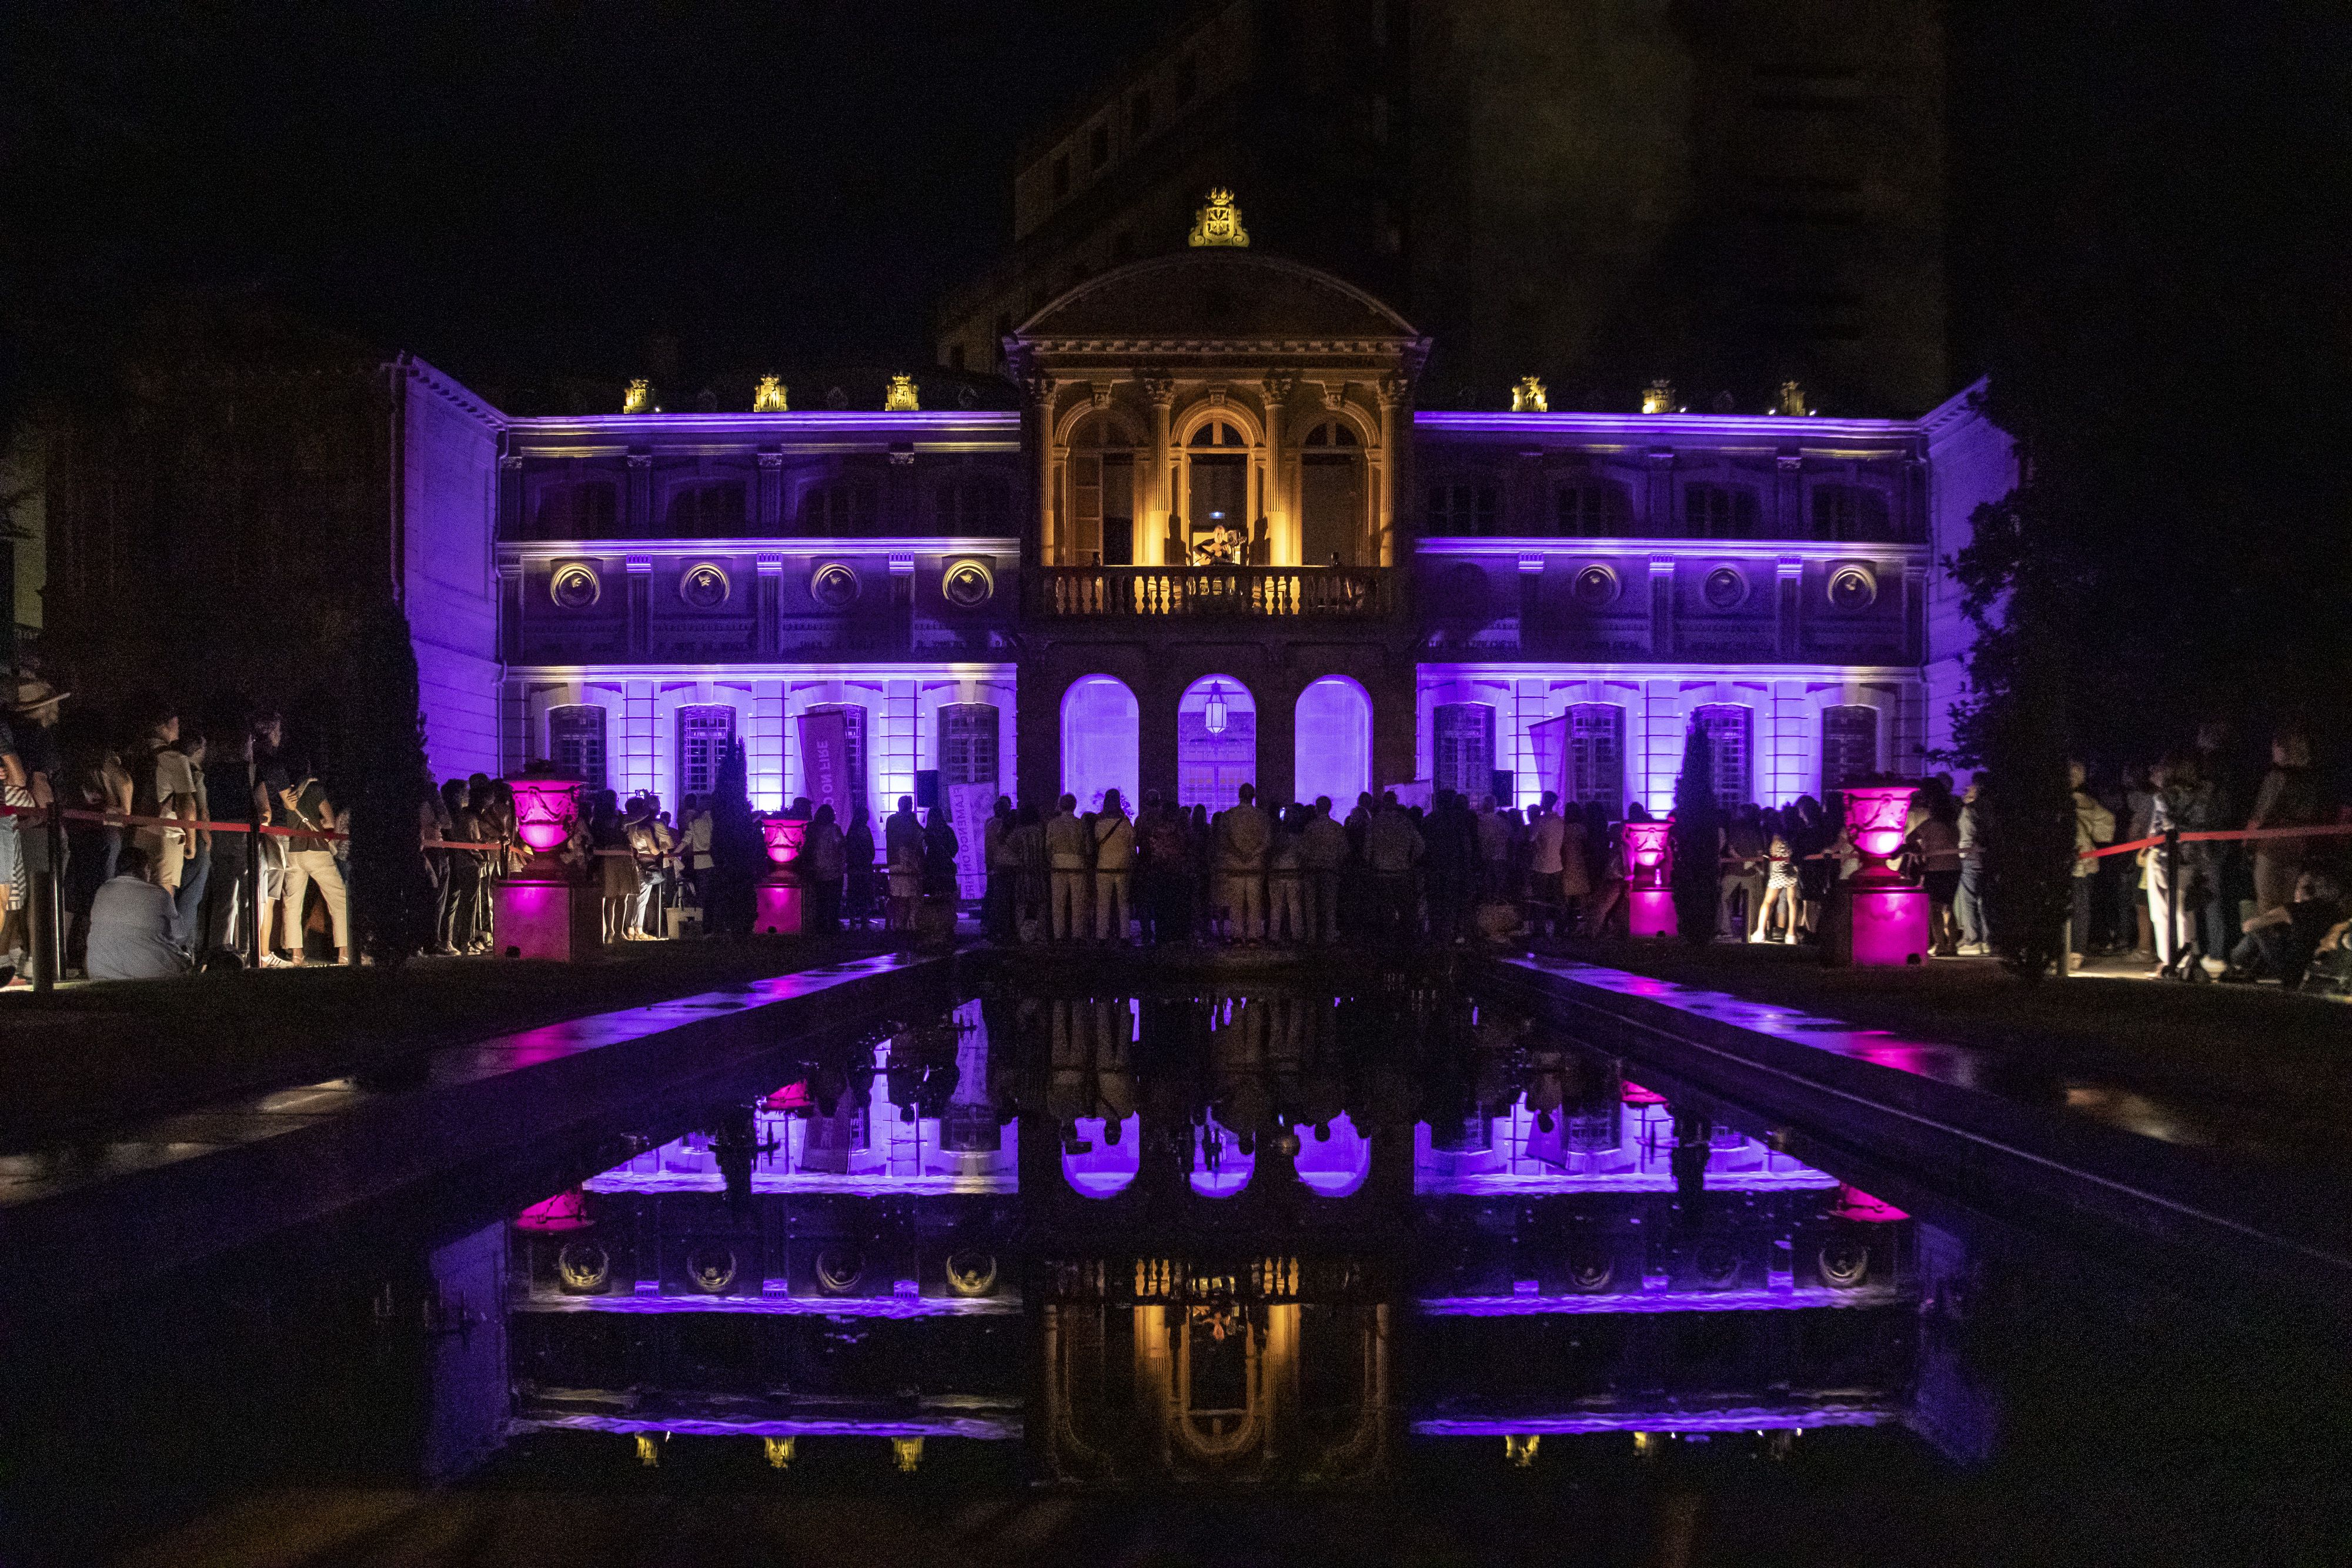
[{"x": 1108, "y": 1223}]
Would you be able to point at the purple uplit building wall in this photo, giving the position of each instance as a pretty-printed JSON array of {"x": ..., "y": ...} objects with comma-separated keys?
[{"x": 1219, "y": 544}]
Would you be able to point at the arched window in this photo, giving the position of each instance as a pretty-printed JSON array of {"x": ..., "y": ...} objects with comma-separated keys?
[
  {"x": 1219, "y": 1170},
  {"x": 1102, "y": 493},
  {"x": 1727, "y": 727},
  {"x": 1100, "y": 719},
  {"x": 843, "y": 508},
  {"x": 975, "y": 505},
  {"x": 1462, "y": 749},
  {"x": 1850, "y": 513},
  {"x": 1216, "y": 742},
  {"x": 1217, "y": 490},
  {"x": 576, "y": 741},
  {"x": 1596, "y": 757},
  {"x": 705, "y": 730},
  {"x": 1849, "y": 745},
  {"x": 1593, "y": 509},
  {"x": 968, "y": 733},
  {"x": 1333, "y": 753},
  {"x": 1330, "y": 496},
  {"x": 1718, "y": 512}
]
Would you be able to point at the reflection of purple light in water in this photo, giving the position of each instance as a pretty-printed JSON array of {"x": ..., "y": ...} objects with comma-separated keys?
[
  {"x": 1337, "y": 1166},
  {"x": 893, "y": 1307},
  {"x": 1757, "y": 1419},
  {"x": 1793, "y": 1298},
  {"x": 981, "y": 1426},
  {"x": 1106, "y": 1169}
]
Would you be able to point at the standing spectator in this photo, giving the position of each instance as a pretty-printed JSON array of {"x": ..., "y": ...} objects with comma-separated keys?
[
  {"x": 650, "y": 843},
  {"x": 1968, "y": 899},
  {"x": 35, "y": 715},
  {"x": 1744, "y": 847},
  {"x": 1114, "y": 861},
  {"x": 1812, "y": 834},
  {"x": 1450, "y": 834},
  {"x": 1066, "y": 858},
  {"x": 902, "y": 857},
  {"x": 1243, "y": 837},
  {"x": 2139, "y": 814},
  {"x": 857, "y": 852},
  {"x": 131, "y": 923},
  {"x": 1492, "y": 836},
  {"x": 1577, "y": 847},
  {"x": 1545, "y": 836},
  {"x": 1030, "y": 887},
  {"x": 2227, "y": 870},
  {"x": 454, "y": 921},
  {"x": 940, "y": 850},
  {"x": 1286, "y": 903},
  {"x": 2095, "y": 825},
  {"x": 197, "y": 864},
  {"x": 1323, "y": 857},
  {"x": 161, "y": 787},
  {"x": 1936, "y": 842},
  {"x": 16, "y": 876},
  {"x": 698, "y": 845},
  {"x": 310, "y": 858},
  {"x": 823, "y": 863},
  {"x": 1780, "y": 882},
  {"x": 269, "y": 782},
  {"x": 2183, "y": 801},
  {"x": 2289, "y": 797},
  {"x": 1167, "y": 871},
  {"x": 617, "y": 868},
  {"x": 1604, "y": 853},
  {"x": 1392, "y": 850},
  {"x": 1003, "y": 866}
]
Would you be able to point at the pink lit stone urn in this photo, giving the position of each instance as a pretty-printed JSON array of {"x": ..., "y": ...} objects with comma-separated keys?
[
  {"x": 1649, "y": 877},
  {"x": 1885, "y": 923},
  {"x": 778, "y": 901},
  {"x": 547, "y": 908}
]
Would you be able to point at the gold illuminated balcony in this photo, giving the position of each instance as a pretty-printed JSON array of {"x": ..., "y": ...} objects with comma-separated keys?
[{"x": 1209, "y": 591}]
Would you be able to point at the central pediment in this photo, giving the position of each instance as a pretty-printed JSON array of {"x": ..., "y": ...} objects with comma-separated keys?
[{"x": 1216, "y": 295}]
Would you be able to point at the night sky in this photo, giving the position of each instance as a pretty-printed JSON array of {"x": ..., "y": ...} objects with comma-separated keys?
[{"x": 513, "y": 189}]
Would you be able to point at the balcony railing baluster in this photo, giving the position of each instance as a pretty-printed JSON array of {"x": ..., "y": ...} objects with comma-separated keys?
[{"x": 1246, "y": 591}]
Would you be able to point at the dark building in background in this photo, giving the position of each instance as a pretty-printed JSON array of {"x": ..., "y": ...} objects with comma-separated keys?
[{"x": 1725, "y": 195}]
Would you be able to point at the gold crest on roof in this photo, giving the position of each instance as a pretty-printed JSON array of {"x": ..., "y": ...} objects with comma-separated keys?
[
  {"x": 1528, "y": 397},
  {"x": 768, "y": 397},
  {"x": 900, "y": 397},
  {"x": 1220, "y": 221},
  {"x": 639, "y": 398}
]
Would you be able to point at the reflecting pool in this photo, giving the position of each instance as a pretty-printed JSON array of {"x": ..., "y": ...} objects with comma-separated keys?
[{"x": 1257, "y": 1274}]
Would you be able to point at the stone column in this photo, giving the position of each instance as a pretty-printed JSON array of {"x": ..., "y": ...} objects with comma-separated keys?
[
  {"x": 1658, "y": 502},
  {"x": 637, "y": 522},
  {"x": 1041, "y": 426},
  {"x": 1392, "y": 454},
  {"x": 1159, "y": 490},
  {"x": 1789, "y": 498},
  {"x": 1788, "y": 584},
  {"x": 771, "y": 519},
  {"x": 1283, "y": 542},
  {"x": 509, "y": 521}
]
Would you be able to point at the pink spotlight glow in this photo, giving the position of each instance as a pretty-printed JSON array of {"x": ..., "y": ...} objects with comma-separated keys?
[{"x": 1890, "y": 924}]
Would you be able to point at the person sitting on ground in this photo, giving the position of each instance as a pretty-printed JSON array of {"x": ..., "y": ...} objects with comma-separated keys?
[
  {"x": 2279, "y": 944},
  {"x": 131, "y": 923}
]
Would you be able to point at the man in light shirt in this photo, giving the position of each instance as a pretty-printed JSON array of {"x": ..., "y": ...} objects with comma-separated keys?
[
  {"x": 1244, "y": 836},
  {"x": 1065, "y": 864}
]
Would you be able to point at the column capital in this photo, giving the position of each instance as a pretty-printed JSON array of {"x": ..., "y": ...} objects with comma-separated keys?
[
  {"x": 771, "y": 459},
  {"x": 1158, "y": 389},
  {"x": 1279, "y": 385},
  {"x": 1790, "y": 462},
  {"x": 510, "y": 462},
  {"x": 641, "y": 459},
  {"x": 1040, "y": 389},
  {"x": 1098, "y": 393},
  {"x": 1393, "y": 390}
]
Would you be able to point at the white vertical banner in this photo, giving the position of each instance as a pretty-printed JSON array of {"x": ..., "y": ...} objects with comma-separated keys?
[{"x": 969, "y": 806}]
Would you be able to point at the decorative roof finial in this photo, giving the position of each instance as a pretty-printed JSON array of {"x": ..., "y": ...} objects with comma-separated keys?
[
  {"x": 769, "y": 396},
  {"x": 900, "y": 397},
  {"x": 1220, "y": 221},
  {"x": 639, "y": 398},
  {"x": 1528, "y": 397},
  {"x": 1791, "y": 400},
  {"x": 1658, "y": 397}
]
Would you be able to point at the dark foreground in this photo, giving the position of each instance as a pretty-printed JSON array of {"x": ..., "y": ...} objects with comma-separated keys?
[{"x": 1248, "y": 1272}]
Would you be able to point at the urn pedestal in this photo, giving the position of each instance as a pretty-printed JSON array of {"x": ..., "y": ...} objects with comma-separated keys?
[
  {"x": 547, "y": 909},
  {"x": 1876, "y": 919},
  {"x": 1649, "y": 877},
  {"x": 777, "y": 900}
]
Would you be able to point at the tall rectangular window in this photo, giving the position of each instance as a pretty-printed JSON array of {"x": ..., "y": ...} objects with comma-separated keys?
[
  {"x": 1849, "y": 745},
  {"x": 1594, "y": 509},
  {"x": 1456, "y": 509},
  {"x": 1461, "y": 736},
  {"x": 968, "y": 733},
  {"x": 1727, "y": 727},
  {"x": 1596, "y": 757},
  {"x": 705, "y": 730},
  {"x": 1718, "y": 512},
  {"x": 576, "y": 741},
  {"x": 1850, "y": 513}
]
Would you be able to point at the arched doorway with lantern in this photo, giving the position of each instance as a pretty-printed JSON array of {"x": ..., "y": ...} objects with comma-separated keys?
[{"x": 1216, "y": 742}]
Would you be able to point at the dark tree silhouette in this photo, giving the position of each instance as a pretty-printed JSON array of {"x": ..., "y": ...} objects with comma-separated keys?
[
  {"x": 1698, "y": 842},
  {"x": 384, "y": 781}
]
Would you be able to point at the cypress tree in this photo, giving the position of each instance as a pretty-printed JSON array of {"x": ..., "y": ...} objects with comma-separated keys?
[
  {"x": 1696, "y": 839},
  {"x": 392, "y": 892}
]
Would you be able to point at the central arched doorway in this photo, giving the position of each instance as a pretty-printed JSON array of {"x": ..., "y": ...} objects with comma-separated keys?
[{"x": 1216, "y": 742}]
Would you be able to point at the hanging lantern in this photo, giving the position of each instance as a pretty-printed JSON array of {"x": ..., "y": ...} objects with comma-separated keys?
[{"x": 1216, "y": 716}]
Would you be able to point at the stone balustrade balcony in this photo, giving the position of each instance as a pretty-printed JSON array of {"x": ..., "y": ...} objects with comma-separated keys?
[{"x": 1206, "y": 592}]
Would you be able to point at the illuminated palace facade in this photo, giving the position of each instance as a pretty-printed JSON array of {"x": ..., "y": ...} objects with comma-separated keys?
[{"x": 1218, "y": 543}]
